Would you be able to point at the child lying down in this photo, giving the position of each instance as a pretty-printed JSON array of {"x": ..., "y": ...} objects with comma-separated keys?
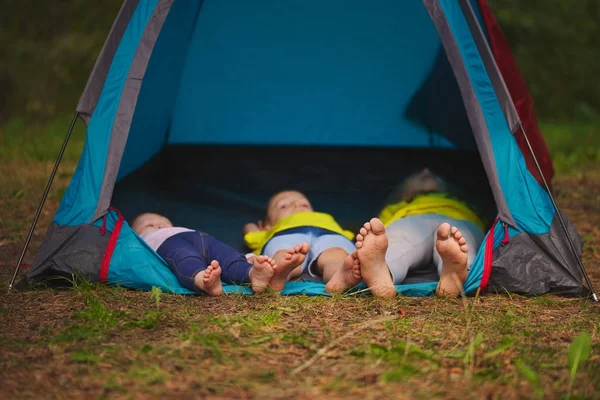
[
  {"x": 325, "y": 250},
  {"x": 200, "y": 261}
]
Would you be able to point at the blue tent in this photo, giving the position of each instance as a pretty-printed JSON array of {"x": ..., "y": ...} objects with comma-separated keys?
[{"x": 200, "y": 109}]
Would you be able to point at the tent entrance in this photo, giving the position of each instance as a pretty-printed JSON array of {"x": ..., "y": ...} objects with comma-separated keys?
[{"x": 218, "y": 189}]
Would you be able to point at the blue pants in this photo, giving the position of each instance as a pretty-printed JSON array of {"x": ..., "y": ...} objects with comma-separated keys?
[
  {"x": 319, "y": 240},
  {"x": 188, "y": 253}
]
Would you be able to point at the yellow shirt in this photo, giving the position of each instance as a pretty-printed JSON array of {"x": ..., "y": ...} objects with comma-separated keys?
[
  {"x": 432, "y": 203},
  {"x": 256, "y": 240}
]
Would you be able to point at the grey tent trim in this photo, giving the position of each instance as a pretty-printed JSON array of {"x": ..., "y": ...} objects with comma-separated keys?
[
  {"x": 64, "y": 247},
  {"x": 472, "y": 106},
  {"x": 125, "y": 111},
  {"x": 504, "y": 98},
  {"x": 517, "y": 266},
  {"x": 93, "y": 88}
]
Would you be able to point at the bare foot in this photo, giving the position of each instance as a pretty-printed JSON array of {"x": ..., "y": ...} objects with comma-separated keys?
[
  {"x": 261, "y": 273},
  {"x": 347, "y": 277},
  {"x": 452, "y": 248},
  {"x": 209, "y": 280},
  {"x": 372, "y": 243},
  {"x": 292, "y": 259}
]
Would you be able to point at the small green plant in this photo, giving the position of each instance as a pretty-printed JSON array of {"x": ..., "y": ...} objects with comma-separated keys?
[
  {"x": 531, "y": 376},
  {"x": 506, "y": 343},
  {"x": 149, "y": 320},
  {"x": 84, "y": 357},
  {"x": 579, "y": 352},
  {"x": 408, "y": 358},
  {"x": 155, "y": 295},
  {"x": 95, "y": 321},
  {"x": 474, "y": 344},
  {"x": 151, "y": 375}
]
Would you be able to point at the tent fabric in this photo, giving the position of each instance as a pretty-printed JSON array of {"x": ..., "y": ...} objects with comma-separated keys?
[
  {"x": 530, "y": 206},
  {"x": 128, "y": 101},
  {"x": 82, "y": 195},
  {"x": 520, "y": 98},
  {"x": 91, "y": 92},
  {"x": 265, "y": 55},
  {"x": 476, "y": 113},
  {"x": 508, "y": 108},
  {"x": 211, "y": 76},
  {"x": 67, "y": 246},
  {"x": 524, "y": 250},
  {"x": 150, "y": 127}
]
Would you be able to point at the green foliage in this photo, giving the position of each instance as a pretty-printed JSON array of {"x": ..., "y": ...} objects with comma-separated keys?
[
  {"x": 84, "y": 357},
  {"x": 155, "y": 294},
  {"x": 94, "y": 321},
  {"x": 209, "y": 341},
  {"x": 469, "y": 357},
  {"x": 408, "y": 359},
  {"x": 531, "y": 376},
  {"x": 572, "y": 144},
  {"x": 579, "y": 352},
  {"x": 151, "y": 375},
  {"x": 556, "y": 44},
  {"x": 148, "y": 320},
  {"x": 41, "y": 141},
  {"x": 48, "y": 49}
]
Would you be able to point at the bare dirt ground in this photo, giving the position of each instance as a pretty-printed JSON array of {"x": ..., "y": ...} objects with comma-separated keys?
[{"x": 97, "y": 342}]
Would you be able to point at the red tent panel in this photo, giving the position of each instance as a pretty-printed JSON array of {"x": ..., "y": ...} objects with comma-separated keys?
[{"x": 520, "y": 96}]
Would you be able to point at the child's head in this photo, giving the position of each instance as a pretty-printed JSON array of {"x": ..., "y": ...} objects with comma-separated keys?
[
  {"x": 421, "y": 182},
  {"x": 150, "y": 221},
  {"x": 285, "y": 203}
]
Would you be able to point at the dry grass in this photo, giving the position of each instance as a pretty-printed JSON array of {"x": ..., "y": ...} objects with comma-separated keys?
[{"x": 97, "y": 342}]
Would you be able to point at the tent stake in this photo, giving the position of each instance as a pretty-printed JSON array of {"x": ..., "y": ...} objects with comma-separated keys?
[
  {"x": 560, "y": 218},
  {"x": 43, "y": 200}
]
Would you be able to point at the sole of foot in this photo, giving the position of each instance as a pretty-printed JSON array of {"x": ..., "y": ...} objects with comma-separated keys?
[
  {"x": 371, "y": 245},
  {"x": 453, "y": 250},
  {"x": 261, "y": 273},
  {"x": 209, "y": 280},
  {"x": 347, "y": 277},
  {"x": 293, "y": 258}
]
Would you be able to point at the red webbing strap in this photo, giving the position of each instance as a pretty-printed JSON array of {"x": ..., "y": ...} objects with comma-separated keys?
[
  {"x": 110, "y": 247},
  {"x": 489, "y": 256}
]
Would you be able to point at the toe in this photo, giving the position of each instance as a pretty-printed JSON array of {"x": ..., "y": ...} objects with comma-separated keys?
[
  {"x": 367, "y": 226},
  {"x": 454, "y": 230},
  {"x": 360, "y": 237},
  {"x": 443, "y": 231},
  {"x": 377, "y": 226},
  {"x": 464, "y": 248},
  {"x": 461, "y": 240},
  {"x": 304, "y": 248},
  {"x": 363, "y": 232},
  {"x": 359, "y": 245}
]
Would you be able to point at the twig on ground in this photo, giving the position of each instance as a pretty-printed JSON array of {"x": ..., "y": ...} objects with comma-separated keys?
[{"x": 325, "y": 349}]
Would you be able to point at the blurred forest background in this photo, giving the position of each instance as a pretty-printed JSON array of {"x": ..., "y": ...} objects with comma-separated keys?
[{"x": 48, "y": 48}]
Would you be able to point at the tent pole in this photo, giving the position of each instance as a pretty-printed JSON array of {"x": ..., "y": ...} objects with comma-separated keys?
[
  {"x": 43, "y": 200},
  {"x": 560, "y": 218}
]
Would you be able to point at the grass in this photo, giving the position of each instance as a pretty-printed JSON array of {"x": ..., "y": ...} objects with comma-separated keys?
[
  {"x": 100, "y": 342},
  {"x": 572, "y": 144}
]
